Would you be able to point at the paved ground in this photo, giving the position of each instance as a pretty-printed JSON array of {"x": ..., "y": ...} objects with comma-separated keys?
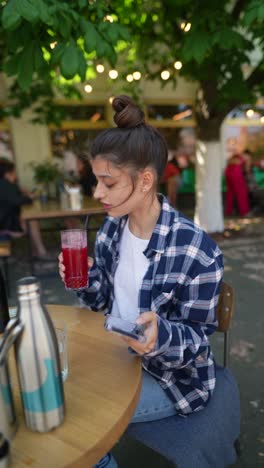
[{"x": 243, "y": 247}]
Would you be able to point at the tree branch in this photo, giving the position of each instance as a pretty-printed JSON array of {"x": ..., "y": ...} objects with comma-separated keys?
[
  {"x": 240, "y": 4},
  {"x": 257, "y": 76}
]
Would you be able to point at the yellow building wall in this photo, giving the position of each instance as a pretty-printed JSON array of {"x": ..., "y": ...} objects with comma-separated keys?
[{"x": 30, "y": 143}]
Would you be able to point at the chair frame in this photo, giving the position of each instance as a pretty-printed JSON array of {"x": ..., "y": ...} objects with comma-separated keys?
[
  {"x": 224, "y": 313},
  {"x": 5, "y": 253}
]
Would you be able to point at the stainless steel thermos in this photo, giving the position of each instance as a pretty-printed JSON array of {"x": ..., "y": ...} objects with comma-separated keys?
[{"x": 38, "y": 363}]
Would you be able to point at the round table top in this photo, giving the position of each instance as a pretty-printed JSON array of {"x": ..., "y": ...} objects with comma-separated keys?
[{"x": 101, "y": 393}]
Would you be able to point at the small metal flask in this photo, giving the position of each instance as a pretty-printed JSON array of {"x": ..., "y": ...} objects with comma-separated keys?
[
  {"x": 38, "y": 362},
  {"x": 8, "y": 419},
  {"x": 4, "y": 313}
]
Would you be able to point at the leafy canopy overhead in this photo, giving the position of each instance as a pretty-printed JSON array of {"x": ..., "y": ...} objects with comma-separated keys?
[
  {"x": 222, "y": 48},
  {"x": 220, "y": 45}
]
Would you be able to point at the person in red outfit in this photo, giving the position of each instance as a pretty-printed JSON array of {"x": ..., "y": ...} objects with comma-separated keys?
[
  {"x": 171, "y": 181},
  {"x": 237, "y": 190}
]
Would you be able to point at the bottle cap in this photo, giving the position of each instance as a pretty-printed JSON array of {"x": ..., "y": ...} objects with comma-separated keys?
[{"x": 27, "y": 285}]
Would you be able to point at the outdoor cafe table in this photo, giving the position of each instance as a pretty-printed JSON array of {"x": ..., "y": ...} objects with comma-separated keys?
[
  {"x": 52, "y": 210},
  {"x": 101, "y": 393}
]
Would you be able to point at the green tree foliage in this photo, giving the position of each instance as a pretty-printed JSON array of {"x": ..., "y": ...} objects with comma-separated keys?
[
  {"x": 220, "y": 44},
  {"x": 222, "y": 50},
  {"x": 43, "y": 39}
]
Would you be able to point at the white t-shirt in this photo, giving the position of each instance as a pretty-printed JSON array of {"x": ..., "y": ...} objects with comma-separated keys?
[{"x": 129, "y": 274}]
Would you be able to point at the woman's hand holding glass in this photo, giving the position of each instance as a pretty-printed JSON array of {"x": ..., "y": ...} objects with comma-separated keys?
[
  {"x": 150, "y": 322},
  {"x": 90, "y": 263}
]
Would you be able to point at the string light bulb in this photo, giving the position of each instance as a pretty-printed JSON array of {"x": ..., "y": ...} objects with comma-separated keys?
[
  {"x": 129, "y": 78},
  {"x": 250, "y": 113},
  {"x": 111, "y": 99},
  {"x": 113, "y": 74},
  {"x": 88, "y": 88},
  {"x": 178, "y": 65},
  {"x": 136, "y": 75},
  {"x": 187, "y": 27},
  {"x": 165, "y": 74},
  {"x": 100, "y": 68},
  {"x": 109, "y": 18}
]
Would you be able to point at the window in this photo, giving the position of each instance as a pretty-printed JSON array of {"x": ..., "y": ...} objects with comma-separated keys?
[
  {"x": 6, "y": 148},
  {"x": 170, "y": 114},
  {"x": 75, "y": 140},
  {"x": 82, "y": 121},
  {"x": 87, "y": 113}
]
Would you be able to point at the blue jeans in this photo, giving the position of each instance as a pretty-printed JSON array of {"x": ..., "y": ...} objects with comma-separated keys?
[{"x": 153, "y": 404}]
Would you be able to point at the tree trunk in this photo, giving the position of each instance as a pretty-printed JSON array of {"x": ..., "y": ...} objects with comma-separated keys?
[{"x": 209, "y": 206}]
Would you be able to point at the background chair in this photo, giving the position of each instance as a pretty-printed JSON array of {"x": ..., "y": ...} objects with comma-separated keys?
[
  {"x": 209, "y": 438},
  {"x": 5, "y": 253}
]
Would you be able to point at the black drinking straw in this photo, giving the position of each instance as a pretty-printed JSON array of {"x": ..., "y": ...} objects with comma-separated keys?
[{"x": 86, "y": 222}]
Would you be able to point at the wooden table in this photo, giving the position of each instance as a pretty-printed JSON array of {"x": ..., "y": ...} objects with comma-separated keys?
[
  {"x": 101, "y": 395},
  {"x": 52, "y": 210}
]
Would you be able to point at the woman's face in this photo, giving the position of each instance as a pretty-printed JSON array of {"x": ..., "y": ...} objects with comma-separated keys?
[{"x": 116, "y": 190}]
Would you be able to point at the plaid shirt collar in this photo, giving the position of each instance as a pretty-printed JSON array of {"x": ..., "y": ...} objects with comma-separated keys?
[
  {"x": 163, "y": 226},
  {"x": 165, "y": 221}
]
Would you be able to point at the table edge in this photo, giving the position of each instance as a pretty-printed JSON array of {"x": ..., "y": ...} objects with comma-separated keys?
[{"x": 109, "y": 440}]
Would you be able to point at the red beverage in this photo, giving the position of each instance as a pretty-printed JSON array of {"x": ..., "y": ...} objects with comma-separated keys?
[{"x": 76, "y": 268}]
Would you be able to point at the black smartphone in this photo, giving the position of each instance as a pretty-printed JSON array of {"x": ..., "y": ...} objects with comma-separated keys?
[{"x": 126, "y": 328}]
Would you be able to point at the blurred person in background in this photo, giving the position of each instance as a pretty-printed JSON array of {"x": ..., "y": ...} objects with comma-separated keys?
[
  {"x": 86, "y": 178},
  {"x": 12, "y": 197},
  {"x": 254, "y": 190},
  {"x": 170, "y": 180},
  {"x": 177, "y": 161},
  {"x": 237, "y": 189}
]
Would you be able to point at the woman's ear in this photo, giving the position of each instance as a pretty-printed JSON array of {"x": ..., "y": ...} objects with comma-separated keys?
[{"x": 147, "y": 180}]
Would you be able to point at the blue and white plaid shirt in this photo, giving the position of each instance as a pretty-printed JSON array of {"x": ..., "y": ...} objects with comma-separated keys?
[{"x": 182, "y": 286}]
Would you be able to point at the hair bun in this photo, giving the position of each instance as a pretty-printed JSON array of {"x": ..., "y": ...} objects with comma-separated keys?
[{"x": 127, "y": 113}]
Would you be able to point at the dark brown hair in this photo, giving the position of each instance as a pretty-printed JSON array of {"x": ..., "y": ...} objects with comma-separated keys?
[{"x": 132, "y": 143}]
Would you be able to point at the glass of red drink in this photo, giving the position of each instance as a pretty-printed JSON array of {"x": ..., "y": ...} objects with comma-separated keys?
[{"x": 75, "y": 253}]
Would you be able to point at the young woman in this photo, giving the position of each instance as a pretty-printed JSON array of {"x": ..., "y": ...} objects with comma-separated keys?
[{"x": 154, "y": 267}]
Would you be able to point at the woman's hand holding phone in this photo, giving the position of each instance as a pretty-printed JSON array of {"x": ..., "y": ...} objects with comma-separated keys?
[{"x": 149, "y": 320}]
